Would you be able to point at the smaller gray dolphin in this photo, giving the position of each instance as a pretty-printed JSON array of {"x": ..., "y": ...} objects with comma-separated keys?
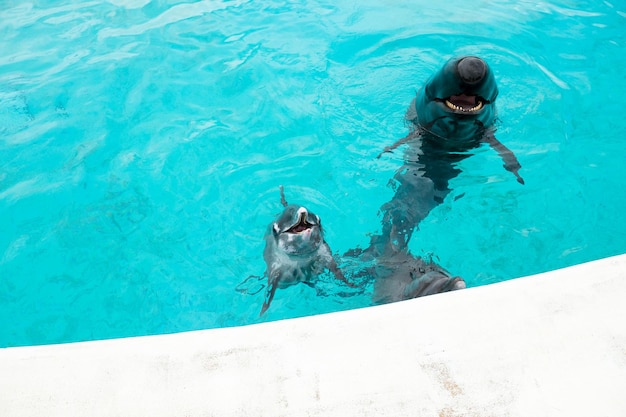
[{"x": 295, "y": 250}]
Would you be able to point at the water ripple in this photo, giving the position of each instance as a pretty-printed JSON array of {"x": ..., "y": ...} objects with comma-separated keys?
[{"x": 172, "y": 15}]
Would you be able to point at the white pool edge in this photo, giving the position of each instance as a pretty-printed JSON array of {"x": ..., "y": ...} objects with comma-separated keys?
[{"x": 552, "y": 344}]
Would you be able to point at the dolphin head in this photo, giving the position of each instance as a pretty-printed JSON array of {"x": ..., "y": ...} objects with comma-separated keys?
[
  {"x": 458, "y": 102},
  {"x": 297, "y": 231}
]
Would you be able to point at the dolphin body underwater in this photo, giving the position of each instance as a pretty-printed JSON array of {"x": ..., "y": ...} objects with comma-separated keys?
[{"x": 295, "y": 250}]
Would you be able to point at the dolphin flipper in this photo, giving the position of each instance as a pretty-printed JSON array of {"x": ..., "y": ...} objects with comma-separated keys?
[
  {"x": 389, "y": 149},
  {"x": 269, "y": 296},
  {"x": 511, "y": 163}
]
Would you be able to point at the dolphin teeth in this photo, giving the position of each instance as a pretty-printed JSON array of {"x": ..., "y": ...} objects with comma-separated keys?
[
  {"x": 301, "y": 225},
  {"x": 463, "y": 109},
  {"x": 477, "y": 107}
]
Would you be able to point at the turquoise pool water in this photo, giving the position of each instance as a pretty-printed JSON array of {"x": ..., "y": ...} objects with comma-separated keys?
[{"x": 143, "y": 142}]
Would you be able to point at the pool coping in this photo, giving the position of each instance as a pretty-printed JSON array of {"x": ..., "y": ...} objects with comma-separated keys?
[{"x": 552, "y": 344}]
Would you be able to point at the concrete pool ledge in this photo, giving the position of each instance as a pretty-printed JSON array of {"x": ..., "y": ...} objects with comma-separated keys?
[{"x": 552, "y": 344}]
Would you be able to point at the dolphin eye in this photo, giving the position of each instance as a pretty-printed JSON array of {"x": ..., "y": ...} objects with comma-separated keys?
[
  {"x": 319, "y": 221},
  {"x": 276, "y": 229}
]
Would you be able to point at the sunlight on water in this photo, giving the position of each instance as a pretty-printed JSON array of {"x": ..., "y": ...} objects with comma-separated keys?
[{"x": 142, "y": 146}]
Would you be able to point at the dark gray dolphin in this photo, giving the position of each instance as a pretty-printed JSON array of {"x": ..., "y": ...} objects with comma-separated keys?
[
  {"x": 452, "y": 114},
  {"x": 295, "y": 250}
]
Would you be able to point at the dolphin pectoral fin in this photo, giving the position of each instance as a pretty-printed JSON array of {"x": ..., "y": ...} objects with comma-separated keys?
[
  {"x": 511, "y": 163},
  {"x": 389, "y": 149},
  {"x": 514, "y": 167},
  {"x": 269, "y": 296}
]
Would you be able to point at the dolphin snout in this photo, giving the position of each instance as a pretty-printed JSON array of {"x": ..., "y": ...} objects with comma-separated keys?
[{"x": 471, "y": 69}]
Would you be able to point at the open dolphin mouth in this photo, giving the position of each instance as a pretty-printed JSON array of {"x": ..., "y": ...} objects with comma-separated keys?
[
  {"x": 464, "y": 103},
  {"x": 301, "y": 225}
]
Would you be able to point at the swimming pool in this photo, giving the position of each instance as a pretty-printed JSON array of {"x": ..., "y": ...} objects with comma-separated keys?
[{"x": 142, "y": 146}]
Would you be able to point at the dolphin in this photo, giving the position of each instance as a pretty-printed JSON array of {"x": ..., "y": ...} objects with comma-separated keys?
[
  {"x": 453, "y": 113},
  {"x": 295, "y": 250}
]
